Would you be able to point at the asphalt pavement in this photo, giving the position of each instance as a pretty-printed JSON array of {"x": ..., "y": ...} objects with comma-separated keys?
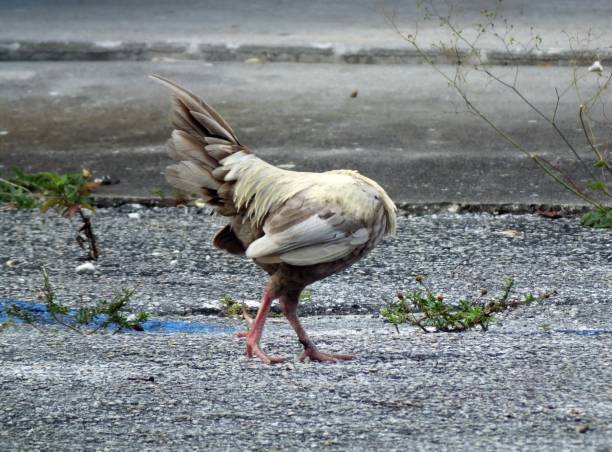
[
  {"x": 539, "y": 379},
  {"x": 356, "y": 31}
]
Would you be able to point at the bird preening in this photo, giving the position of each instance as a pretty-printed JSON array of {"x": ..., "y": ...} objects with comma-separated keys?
[{"x": 299, "y": 227}]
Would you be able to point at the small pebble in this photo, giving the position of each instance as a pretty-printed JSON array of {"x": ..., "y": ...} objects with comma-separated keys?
[
  {"x": 582, "y": 428},
  {"x": 134, "y": 215},
  {"x": 596, "y": 67},
  {"x": 512, "y": 233},
  {"x": 453, "y": 208},
  {"x": 87, "y": 267}
]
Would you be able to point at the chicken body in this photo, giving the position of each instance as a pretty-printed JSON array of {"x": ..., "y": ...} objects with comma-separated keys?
[{"x": 299, "y": 227}]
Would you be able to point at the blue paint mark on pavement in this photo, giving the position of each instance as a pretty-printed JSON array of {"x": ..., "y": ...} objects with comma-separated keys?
[
  {"x": 175, "y": 326},
  {"x": 39, "y": 311},
  {"x": 587, "y": 332}
]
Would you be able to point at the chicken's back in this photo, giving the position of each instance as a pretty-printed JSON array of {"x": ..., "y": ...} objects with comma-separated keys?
[
  {"x": 262, "y": 189},
  {"x": 304, "y": 219}
]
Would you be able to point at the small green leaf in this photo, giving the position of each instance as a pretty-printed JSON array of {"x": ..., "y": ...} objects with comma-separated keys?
[
  {"x": 600, "y": 218},
  {"x": 597, "y": 185}
]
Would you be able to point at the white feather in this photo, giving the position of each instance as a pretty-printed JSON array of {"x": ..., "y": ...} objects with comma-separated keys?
[
  {"x": 312, "y": 241},
  {"x": 314, "y": 230},
  {"x": 317, "y": 254}
]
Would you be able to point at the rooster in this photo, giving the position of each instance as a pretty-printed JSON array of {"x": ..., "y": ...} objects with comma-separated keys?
[{"x": 299, "y": 227}]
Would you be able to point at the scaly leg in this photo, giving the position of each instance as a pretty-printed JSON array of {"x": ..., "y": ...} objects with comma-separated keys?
[
  {"x": 289, "y": 307},
  {"x": 254, "y": 335}
]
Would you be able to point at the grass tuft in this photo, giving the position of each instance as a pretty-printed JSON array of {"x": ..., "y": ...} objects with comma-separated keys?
[
  {"x": 599, "y": 218},
  {"x": 305, "y": 295}
]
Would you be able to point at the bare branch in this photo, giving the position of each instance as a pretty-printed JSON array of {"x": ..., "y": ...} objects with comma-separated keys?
[
  {"x": 543, "y": 116},
  {"x": 554, "y": 116},
  {"x": 588, "y": 133}
]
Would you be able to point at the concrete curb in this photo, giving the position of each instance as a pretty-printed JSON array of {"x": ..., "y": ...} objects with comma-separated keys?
[
  {"x": 154, "y": 51},
  {"x": 405, "y": 208}
]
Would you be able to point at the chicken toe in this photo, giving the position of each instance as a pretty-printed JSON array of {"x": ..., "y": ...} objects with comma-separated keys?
[
  {"x": 313, "y": 354},
  {"x": 289, "y": 307},
  {"x": 253, "y": 350}
]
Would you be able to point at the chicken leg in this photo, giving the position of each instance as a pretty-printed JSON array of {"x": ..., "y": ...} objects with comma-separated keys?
[
  {"x": 254, "y": 335},
  {"x": 289, "y": 307}
]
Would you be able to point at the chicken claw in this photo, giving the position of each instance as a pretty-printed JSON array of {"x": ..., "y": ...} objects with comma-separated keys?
[
  {"x": 313, "y": 354},
  {"x": 252, "y": 349}
]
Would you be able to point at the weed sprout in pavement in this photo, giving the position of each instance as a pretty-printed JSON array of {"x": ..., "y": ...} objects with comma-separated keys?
[
  {"x": 105, "y": 315},
  {"x": 68, "y": 194},
  {"x": 431, "y": 313}
]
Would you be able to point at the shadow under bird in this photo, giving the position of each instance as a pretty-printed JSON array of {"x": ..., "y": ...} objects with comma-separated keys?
[{"x": 299, "y": 227}]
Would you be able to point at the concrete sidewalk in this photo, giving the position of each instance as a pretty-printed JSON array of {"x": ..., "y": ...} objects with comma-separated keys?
[{"x": 314, "y": 31}]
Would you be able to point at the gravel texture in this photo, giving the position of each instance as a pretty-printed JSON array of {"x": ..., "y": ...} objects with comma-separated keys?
[
  {"x": 535, "y": 381},
  {"x": 167, "y": 256}
]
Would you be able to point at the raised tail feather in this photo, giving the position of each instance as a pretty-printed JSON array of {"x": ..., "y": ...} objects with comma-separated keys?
[{"x": 201, "y": 139}]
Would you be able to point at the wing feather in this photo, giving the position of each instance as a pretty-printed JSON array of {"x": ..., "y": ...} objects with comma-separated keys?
[
  {"x": 317, "y": 254},
  {"x": 308, "y": 236}
]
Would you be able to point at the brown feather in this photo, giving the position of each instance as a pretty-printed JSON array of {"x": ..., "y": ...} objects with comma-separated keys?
[
  {"x": 219, "y": 151},
  {"x": 220, "y": 172},
  {"x": 211, "y": 125},
  {"x": 226, "y": 210},
  {"x": 225, "y": 239},
  {"x": 213, "y": 140},
  {"x": 181, "y": 119},
  {"x": 226, "y": 191},
  {"x": 196, "y": 104},
  {"x": 183, "y": 146}
]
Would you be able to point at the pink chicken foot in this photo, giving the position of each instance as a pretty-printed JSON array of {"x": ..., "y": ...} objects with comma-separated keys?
[{"x": 289, "y": 307}]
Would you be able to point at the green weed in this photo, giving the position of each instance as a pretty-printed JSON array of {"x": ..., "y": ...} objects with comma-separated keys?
[
  {"x": 84, "y": 320},
  {"x": 231, "y": 307},
  {"x": 599, "y": 218},
  {"x": 305, "y": 295},
  {"x": 588, "y": 87},
  {"x": 431, "y": 313},
  {"x": 68, "y": 194}
]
